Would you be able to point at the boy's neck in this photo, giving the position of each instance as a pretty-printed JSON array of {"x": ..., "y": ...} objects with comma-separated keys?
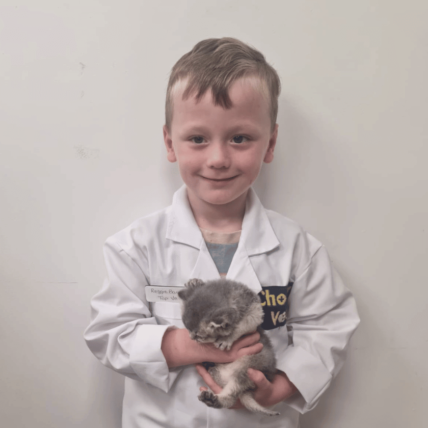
[{"x": 224, "y": 218}]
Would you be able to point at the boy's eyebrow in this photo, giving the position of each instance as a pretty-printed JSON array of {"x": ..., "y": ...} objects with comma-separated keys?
[
  {"x": 195, "y": 129},
  {"x": 242, "y": 127}
]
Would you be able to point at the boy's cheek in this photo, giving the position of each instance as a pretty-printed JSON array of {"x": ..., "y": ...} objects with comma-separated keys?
[{"x": 187, "y": 163}]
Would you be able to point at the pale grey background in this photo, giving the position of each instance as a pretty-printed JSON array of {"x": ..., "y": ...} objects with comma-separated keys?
[{"x": 82, "y": 88}]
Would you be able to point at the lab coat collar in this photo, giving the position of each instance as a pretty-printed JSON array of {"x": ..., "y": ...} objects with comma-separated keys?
[
  {"x": 182, "y": 226},
  {"x": 257, "y": 234}
]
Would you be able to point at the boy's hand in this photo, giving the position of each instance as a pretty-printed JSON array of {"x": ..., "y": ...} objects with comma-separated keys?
[
  {"x": 179, "y": 350},
  {"x": 267, "y": 393},
  {"x": 246, "y": 345}
]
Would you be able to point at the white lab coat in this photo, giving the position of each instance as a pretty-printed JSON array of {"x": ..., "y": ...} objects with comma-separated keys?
[{"x": 167, "y": 249}]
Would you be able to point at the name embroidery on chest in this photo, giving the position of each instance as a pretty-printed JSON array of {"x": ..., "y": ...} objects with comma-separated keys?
[
  {"x": 274, "y": 301},
  {"x": 156, "y": 293}
]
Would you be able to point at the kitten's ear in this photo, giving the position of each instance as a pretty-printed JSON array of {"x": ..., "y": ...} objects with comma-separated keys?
[
  {"x": 190, "y": 285},
  {"x": 184, "y": 294}
]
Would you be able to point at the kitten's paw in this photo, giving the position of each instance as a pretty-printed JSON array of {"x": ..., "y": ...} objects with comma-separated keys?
[
  {"x": 210, "y": 399},
  {"x": 194, "y": 282},
  {"x": 223, "y": 345}
]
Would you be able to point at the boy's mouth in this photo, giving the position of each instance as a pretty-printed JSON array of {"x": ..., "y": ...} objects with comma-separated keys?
[{"x": 219, "y": 180}]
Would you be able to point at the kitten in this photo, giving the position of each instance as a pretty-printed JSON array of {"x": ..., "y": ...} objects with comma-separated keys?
[{"x": 220, "y": 312}]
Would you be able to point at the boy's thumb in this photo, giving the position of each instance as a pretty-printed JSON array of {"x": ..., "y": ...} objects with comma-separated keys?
[{"x": 257, "y": 377}]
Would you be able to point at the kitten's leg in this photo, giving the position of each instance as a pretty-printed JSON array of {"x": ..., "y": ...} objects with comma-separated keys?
[
  {"x": 248, "y": 401},
  {"x": 238, "y": 385},
  {"x": 225, "y": 399}
]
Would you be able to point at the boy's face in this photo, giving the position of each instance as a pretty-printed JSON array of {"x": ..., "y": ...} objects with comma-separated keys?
[{"x": 220, "y": 151}]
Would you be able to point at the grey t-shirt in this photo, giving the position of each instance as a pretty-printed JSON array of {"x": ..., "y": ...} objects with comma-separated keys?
[{"x": 222, "y": 248}]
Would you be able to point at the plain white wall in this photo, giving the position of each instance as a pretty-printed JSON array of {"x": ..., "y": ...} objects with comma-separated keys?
[{"x": 82, "y": 87}]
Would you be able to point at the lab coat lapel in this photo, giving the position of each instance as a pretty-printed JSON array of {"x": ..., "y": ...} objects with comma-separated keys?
[
  {"x": 241, "y": 270},
  {"x": 182, "y": 228},
  {"x": 257, "y": 237},
  {"x": 205, "y": 267}
]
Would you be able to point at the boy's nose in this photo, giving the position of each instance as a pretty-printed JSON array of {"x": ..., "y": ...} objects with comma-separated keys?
[{"x": 218, "y": 156}]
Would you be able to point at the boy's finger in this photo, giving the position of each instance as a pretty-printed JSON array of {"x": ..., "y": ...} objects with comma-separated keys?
[
  {"x": 251, "y": 350},
  {"x": 258, "y": 378},
  {"x": 208, "y": 379},
  {"x": 248, "y": 340},
  {"x": 256, "y": 348},
  {"x": 200, "y": 369}
]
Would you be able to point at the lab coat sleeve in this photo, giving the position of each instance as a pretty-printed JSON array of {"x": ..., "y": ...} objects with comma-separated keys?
[
  {"x": 323, "y": 317},
  {"x": 122, "y": 333}
]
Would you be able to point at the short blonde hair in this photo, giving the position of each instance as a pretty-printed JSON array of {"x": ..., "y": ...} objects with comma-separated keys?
[{"x": 215, "y": 64}]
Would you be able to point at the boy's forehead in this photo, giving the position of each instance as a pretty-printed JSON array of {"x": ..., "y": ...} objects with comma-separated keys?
[
  {"x": 248, "y": 96},
  {"x": 249, "y": 87}
]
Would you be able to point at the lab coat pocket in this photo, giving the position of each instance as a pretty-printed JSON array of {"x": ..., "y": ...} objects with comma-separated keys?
[
  {"x": 168, "y": 310},
  {"x": 167, "y": 313},
  {"x": 164, "y": 301},
  {"x": 165, "y": 304},
  {"x": 279, "y": 338}
]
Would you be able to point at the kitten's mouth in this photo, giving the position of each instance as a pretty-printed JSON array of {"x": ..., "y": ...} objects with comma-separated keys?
[{"x": 206, "y": 340}]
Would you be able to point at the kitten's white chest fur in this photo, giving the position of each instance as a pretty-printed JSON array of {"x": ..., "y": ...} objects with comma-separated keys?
[{"x": 226, "y": 372}]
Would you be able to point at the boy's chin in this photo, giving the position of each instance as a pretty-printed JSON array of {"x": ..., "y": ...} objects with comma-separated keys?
[{"x": 222, "y": 197}]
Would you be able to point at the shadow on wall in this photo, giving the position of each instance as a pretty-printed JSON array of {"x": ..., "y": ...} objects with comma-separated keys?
[
  {"x": 105, "y": 397},
  {"x": 305, "y": 182},
  {"x": 310, "y": 175},
  {"x": 285, "y": 177}
]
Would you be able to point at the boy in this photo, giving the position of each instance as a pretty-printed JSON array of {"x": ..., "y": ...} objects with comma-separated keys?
[{"x": 221, "y": 108}]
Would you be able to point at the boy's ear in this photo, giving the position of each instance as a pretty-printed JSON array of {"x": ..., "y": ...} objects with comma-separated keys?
[
  {"x": 170, "y": 155},
  {"x": 271, "y": 147}
]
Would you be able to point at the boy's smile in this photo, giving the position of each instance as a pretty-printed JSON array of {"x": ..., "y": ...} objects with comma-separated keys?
[{"x": 220, "y": 151}]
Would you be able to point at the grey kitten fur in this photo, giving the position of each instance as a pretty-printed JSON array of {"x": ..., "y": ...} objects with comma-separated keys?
[{"x": 220, "y": 312}]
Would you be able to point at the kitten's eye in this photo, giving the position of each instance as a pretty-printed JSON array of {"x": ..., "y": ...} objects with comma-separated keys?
[
  {"x": 198, "y": 139},
  {"x": 238, "y": 139}
]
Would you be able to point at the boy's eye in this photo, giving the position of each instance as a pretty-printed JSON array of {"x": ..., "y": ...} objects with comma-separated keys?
[
  {"x": 197, "y": 139},
  {"x": 238, "y": 139}
]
